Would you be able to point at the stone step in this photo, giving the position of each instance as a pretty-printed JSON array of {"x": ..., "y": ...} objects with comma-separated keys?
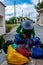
[
  {"x": 31, "y": 62},
  {"x": 3, "y": 60}
]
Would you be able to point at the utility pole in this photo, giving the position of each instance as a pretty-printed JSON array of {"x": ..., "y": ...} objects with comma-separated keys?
[
  {"x": 15, "y": 12},
  {"x": 14, "y": 8},
  {"x": 22, "y": 13}
]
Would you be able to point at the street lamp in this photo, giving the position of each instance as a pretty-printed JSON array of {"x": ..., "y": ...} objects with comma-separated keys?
[
  {"x": 38, "y": 1},
  {"x": 22, "y": 13}
]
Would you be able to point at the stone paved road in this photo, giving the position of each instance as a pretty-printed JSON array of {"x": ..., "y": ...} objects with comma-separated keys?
[
  {"x": 39, "y": 33},
  {"x": 31, "y": 62}
]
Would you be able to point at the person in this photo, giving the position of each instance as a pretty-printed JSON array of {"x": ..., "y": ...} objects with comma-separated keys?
[
  {"x": 25, "y": 32},
  {"x": 27, "y": 29}
]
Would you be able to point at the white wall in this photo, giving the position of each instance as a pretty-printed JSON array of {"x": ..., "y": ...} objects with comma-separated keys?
[
  {"x": 2, "y": 19},
  {"x": 2, "y": 10}
]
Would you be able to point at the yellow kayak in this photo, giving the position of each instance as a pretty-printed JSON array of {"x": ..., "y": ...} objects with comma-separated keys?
[{"x": 13, "y": 57}]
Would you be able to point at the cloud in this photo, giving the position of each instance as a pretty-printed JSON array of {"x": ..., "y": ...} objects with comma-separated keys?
[
  {"x": 35, "y": 1},
  {"x": 9, "y": 10},
  {"x": 28, "y": 10},
  {"x": 1, "y": 0}
]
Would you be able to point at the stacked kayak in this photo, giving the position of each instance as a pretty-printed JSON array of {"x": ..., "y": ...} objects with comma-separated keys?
[
  {"x": 15, "y": 57},
  {"x": 18, "y": 54},
  {"x": 37, "y": 53}
]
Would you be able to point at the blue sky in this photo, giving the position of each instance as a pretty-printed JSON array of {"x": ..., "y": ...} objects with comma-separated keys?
[
  {"x": 11, "y": 2},
  {"x": 28, "y": 7}
]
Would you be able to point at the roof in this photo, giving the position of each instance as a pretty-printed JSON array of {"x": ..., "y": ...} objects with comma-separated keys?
[
  {"x": 2, "y": 4},
  {"x": 40, "y": 10}
]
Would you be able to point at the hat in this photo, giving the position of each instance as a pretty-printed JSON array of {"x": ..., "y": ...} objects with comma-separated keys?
[{"x": 27, "y": 24}]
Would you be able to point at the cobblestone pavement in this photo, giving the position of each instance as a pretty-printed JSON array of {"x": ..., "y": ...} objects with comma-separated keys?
[
  {"x": 31, "y": 62},
  {"x": 39, "y": 33}
]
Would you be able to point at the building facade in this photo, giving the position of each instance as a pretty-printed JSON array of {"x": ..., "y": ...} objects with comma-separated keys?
[
  {"x": 2, "y": 18},
  {"x": 40, "y": 21},
  {"x": 20, "y": 19}
]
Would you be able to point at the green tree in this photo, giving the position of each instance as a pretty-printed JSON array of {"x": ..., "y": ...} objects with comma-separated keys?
[
  {"x": 39, "y": 5},
  {"x": 27, "y": 18},
  {"x": 12, "y": 20}
]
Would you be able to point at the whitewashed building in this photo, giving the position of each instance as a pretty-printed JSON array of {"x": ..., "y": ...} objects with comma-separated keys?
[
  {"x": 40, "y": 21},
  {"x": 2, "y": 18}
]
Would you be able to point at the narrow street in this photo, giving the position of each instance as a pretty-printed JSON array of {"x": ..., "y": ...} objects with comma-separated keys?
[
  {"x": 10, "y": 36},
  {"x": 38, "y": 32}
]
